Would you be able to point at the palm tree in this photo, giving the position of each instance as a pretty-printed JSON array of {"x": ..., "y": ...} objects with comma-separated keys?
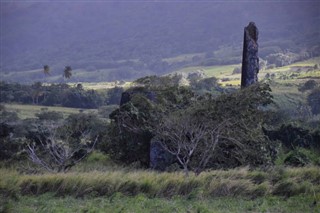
[
  {"x": 46, "y": 69},
  {"x": 67, "y": 72}
]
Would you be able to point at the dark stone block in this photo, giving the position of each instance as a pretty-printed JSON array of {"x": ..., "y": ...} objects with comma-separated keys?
[
  {"x": 160, "y": 159},
  {"x": 125, "y": 98}
]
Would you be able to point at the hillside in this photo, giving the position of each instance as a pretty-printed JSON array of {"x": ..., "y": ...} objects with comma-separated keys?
[{"x": 126, "y": 40}]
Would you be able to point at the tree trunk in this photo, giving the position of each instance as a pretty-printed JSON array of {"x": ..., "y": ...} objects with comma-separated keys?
[{"x": 186, "y": 171}]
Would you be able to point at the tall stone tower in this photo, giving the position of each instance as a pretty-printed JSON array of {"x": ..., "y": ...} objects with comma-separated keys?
[{"x": 250, "y": 59}]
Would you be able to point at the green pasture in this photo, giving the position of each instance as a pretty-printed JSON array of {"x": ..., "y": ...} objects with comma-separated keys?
[
  {"x": 216, "y": 71},
  {"x": 29, "y": 111},
  {"x": 105, "y": 85}
]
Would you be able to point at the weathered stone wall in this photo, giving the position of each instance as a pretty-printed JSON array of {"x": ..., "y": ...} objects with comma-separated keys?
[{"x": 250, "y": 59}]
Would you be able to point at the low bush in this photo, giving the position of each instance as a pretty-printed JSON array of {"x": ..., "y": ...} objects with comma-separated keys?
[{"x": 290, "y": 188}]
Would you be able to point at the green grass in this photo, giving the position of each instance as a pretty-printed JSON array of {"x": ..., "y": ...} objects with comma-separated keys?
[
  {"x": 29, "y": 111},
  {"x": 210, "y": 71},
  {"x": 220, "y": 71},
  {"x": 142, "y": 204}
]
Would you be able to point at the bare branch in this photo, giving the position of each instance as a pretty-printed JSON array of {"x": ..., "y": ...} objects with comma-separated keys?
[{"x": 54, "y": 154}]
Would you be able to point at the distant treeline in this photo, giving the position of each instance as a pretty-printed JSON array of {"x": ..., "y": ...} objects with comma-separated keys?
[{"x": 57, "y": 95}]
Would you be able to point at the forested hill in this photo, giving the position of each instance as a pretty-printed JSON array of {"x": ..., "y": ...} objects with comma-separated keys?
[{"x": 100, "y": 35}]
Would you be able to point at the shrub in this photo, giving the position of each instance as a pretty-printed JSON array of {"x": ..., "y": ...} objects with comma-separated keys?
[
  {"x": 96, "y": 157},
  {"x": 296, "y": 158},
  {"x": 282, "y": 59},
  {"x": 292, "y": 136},
  {"x": 10, "y": 144},
  {"x": 289, "y": 188},
  {"x": 205, "y": 84}
]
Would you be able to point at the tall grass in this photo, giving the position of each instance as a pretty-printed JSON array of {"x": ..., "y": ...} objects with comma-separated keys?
[{"x": 232, "y": 183}]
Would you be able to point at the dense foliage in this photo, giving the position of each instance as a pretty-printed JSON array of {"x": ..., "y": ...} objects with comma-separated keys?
[
  {"x": 198, "y": 124},
  {"x": 293, "y": 136},
  {"x": 146, "y": 111},
  {"x": 57, "y": 95}
]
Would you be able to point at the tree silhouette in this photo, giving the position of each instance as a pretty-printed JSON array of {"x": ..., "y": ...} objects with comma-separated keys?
[
  {"x": 46, "y": 69},
  {"x": 67, "y": 72}
]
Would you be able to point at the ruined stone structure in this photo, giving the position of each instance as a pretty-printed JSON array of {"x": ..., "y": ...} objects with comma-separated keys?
[
  {"x": 250, "y": 59},
  {"x": 159, "y": 158}
]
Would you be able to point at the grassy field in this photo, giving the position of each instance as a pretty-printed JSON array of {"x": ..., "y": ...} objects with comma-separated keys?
[
  {"x": 126, "y": 190},
  {"x": 141, "y": 204},
  {"x": 105, "y": 85},
  {"x": 216, "y": 71},
  {"x": 29, "y": 111}
]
